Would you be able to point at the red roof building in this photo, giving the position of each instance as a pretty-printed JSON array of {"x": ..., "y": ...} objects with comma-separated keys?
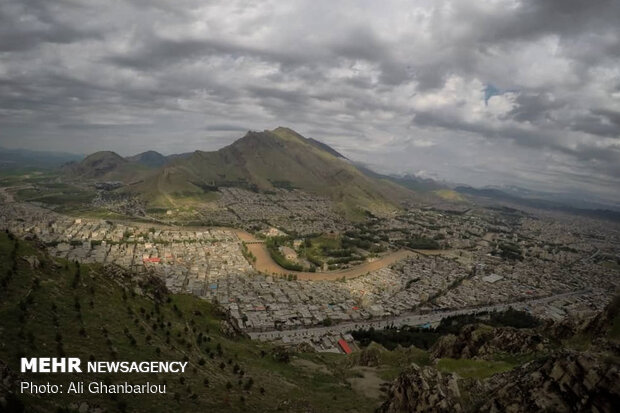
[{"x": 344, "y": 346}]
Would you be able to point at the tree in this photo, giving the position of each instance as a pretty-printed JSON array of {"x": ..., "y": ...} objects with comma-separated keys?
[{"x": 249, "y": 383}]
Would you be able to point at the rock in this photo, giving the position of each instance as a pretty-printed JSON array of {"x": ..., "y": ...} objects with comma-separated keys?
[
  {"x": 33, "y": 261},
  {"x": 568, "y": 381},
  {"x": 369, "y": 357},
  {"x": 423, "y": 389},
  {"x": 482, "y": 341},
  {"x": 561, "y": 381}
]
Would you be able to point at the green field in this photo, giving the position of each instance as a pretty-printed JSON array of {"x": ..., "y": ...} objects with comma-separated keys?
[{"x": 472, "y": 368}]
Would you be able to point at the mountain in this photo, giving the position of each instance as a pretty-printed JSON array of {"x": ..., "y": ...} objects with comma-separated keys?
[
  {"x": 178, "y": 156},
  {"x": 149, "y": 158},
  {"x": 325, "y": 147},
  {"x": 281, "y": 158},
  {"x": 259, "y": 161},
  {"x": 425, "y": 188},
  {"x": 23, "y": 158},
  {"x": 497, "y": 195},
  {"x": 106, "y": 165}
]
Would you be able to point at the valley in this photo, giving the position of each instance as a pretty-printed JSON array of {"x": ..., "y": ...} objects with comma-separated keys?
[{"x": 318, "y": 269}]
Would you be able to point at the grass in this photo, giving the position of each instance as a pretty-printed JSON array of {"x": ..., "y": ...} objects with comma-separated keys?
[
  {"x": 472, "y": 368},
  {"x": 49, "y": 311},
  {"x": 62, "y": 196},
  {"x": 393, "y": 362},
  {"x": 614, "y": 331},
  {"x": 613, "y": 265},
  {"x": 449, "y": 195}
]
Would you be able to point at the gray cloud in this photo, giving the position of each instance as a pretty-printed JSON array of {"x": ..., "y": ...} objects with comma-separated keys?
[{"x": 398, "y": 84}]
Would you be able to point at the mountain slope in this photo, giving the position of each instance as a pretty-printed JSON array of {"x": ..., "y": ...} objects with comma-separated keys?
[
  {"x": 325, "y": 147},
  {"x": 278, "y": 158},
  {"x": 53, "y": 308},
  {"x": 149, "y": 158},
  {"x": 106, "y": 166}
]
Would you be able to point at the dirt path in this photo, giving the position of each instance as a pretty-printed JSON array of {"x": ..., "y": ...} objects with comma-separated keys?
[{"x": 265, "y": 264}]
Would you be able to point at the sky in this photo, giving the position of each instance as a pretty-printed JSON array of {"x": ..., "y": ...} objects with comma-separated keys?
[{"x": 477, "y": 92}]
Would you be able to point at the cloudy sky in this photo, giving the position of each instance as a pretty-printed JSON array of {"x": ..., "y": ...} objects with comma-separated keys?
[{"x": 478, "y": 92}]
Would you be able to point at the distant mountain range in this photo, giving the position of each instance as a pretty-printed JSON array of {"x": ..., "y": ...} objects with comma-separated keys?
[
  {"x": 260, "y": 161},
  {"x": 108, "y": 165},
  {"x": 281, "y": 158},
  {"x": 24, "y": 158},
  {"x": 526, "y": 199}
]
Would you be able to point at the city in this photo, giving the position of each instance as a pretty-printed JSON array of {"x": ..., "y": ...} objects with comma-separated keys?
[
  {"x": 315, "y": 206},
  {"x": 466, "y": 275}
]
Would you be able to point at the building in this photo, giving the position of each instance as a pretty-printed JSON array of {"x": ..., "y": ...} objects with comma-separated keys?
[{"x": 344, "y": 346}]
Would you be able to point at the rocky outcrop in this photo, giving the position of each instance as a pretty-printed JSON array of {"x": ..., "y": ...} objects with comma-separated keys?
[
  {"x": 568, "y": 381},
  {"x": 423, "y": 389},
  {"x": 561, "y": 330},
  {"x": 565, "y": 382},
  {"x": 601, "y": 325},
  {"x": 370, "y": 356},
  {"x": 484, "y": 342}
]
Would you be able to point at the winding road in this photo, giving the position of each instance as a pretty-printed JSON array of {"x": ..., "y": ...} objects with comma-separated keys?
[{"x": 265, "y": 264}]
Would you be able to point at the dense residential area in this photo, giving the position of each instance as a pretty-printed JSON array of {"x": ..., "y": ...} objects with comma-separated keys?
[{"x": 482, "y": 258}]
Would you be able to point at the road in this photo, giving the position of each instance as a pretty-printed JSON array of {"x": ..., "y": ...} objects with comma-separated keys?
[{"x": 410, "y": 319}]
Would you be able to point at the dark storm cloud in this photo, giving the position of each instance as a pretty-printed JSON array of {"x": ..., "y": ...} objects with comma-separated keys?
[
  {"x": 29, "y": 23},
  {"x": 226, "y": 128},
  {"x": 400, "y": 84},
  {"x": 534, "y": 107},
  {"x": 598, "y": 124}
]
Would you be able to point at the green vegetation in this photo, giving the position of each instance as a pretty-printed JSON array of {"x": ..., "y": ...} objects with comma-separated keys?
[
  {"x": 449, "y": 195},
  {"x": 247, "y": 253},
  {"x": 471, "y": 368},
  {"x": 424, "y": 338},
  {"x": 264, "y": 161},
  {"x": 273, "y": 244},
  {"x": 613, "y": 265},
  {"x": 392, "y": 337},
  {"x": 509, "y": 251},
  {"x": 421, "y": 243},
  {"x": 61, "y": 308},
  {"x": 64, "y": 196},
  {"x": 328, "y": 249}
]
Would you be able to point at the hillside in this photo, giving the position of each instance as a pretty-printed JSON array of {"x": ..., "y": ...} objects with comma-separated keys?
[
  {"x": 151, "y": 159},
  {"x": 52, "y": 307},
  {"x": 277, "y": 159},
  {"x": 106, "y": 166},
  {"x": 517, "y": 370}
]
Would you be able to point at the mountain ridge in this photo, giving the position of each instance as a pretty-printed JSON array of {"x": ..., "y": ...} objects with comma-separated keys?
[{"x": 281, "y": 158}]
